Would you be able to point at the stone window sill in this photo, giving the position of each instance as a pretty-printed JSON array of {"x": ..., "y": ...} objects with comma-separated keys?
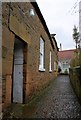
[
  {"x": 50, "y": 71},
  {"x": 42, "y": 69}
]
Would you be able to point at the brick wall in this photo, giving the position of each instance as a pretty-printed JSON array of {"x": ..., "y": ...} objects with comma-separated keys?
[{"x": 29, "y": 29}]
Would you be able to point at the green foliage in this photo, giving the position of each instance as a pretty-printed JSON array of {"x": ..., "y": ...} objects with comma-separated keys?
[
  {"x": 77, "y": 59},
  {"x": 66, "y": 72},
  {"x": 76, "y": 35},
  {"x": 72, "y": 64},
  {"x": 80, "y": 56}
]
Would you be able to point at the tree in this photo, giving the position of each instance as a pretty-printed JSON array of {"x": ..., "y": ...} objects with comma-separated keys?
[{"x": 76, "y": 35}]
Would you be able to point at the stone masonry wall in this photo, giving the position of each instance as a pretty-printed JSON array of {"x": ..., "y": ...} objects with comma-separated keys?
[{"x": 17, "y": 21}]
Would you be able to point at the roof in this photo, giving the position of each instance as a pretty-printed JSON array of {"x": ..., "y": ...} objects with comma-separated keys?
[
  {"x": 35, "y": 5},
  {"x": 66, "y": 54}
]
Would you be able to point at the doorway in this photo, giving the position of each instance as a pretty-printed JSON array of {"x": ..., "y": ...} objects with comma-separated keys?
[{"x": 18, "y": 71}]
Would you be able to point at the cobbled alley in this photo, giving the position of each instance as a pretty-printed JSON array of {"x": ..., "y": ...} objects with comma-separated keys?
[{"x": 56, "y": 101}]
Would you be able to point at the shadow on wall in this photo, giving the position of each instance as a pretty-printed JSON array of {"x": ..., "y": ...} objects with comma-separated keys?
[
  {"x": 59, "y": 69},
  {"x": 75, "y": 79}
]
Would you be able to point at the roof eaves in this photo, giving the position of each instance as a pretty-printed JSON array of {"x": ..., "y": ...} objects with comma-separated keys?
[{"x": 35, "y": 5}]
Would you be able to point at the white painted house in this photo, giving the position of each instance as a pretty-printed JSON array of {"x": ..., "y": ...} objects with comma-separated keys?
[{"x": 65, "y": 57}]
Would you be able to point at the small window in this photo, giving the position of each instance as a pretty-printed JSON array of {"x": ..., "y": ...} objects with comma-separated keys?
[
  {"x": 31, "y": 12},
  {"x": 41, "y": 64},
  {"x": 64, "y": 65}
]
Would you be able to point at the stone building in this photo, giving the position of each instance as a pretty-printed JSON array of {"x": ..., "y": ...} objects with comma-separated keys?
[
  {"x": 55, "y": 54},
  {"x": 29, "y": 52}
]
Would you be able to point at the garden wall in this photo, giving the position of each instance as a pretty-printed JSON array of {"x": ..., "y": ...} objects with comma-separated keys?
[{"x": 75, "y": 79}]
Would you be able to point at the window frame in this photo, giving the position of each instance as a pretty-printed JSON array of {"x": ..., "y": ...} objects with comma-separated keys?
[
  {"x": 50, "y": 62},
  {"x": 42, "y": 55},
  {"x": 55, "y": 66}
]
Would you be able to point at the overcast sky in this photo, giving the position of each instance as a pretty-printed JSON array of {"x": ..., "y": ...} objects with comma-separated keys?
[{"x": 60, "y": 17}]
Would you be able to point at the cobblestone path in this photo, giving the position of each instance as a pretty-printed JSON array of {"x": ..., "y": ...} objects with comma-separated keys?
[{"x": 58, "y": 101}]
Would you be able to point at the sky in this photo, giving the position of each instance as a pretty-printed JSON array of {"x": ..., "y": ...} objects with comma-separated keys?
[{"x": 60, "y": 17}]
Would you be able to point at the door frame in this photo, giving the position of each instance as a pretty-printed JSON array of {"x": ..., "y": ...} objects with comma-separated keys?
[{"x": 24, "y": 62}]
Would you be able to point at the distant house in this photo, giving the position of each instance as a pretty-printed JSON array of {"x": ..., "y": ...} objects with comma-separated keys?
[
  {"x": 65, "y": 58},
  {"x": 29, "y": 52}
]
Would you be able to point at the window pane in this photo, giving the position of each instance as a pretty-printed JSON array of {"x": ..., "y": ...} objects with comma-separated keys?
[
  {"x": 50, "y": 62},
  {"x": 41, "y": 53}
]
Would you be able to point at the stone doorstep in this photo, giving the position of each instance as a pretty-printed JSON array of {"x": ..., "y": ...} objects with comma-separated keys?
[{"x": 1, "y": 114}]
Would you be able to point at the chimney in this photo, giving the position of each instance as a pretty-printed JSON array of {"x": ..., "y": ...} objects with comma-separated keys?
[
  {"x": 60, "y": 47},
  {"x": 52, "y": 35}
]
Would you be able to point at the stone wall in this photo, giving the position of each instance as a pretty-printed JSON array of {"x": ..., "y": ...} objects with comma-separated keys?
[
  {"x": 16, "y": 21},
  {"x": 75, "y": 78}
]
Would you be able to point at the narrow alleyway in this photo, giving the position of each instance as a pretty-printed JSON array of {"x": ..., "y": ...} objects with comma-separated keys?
[{"x": 56, "y": 101}]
